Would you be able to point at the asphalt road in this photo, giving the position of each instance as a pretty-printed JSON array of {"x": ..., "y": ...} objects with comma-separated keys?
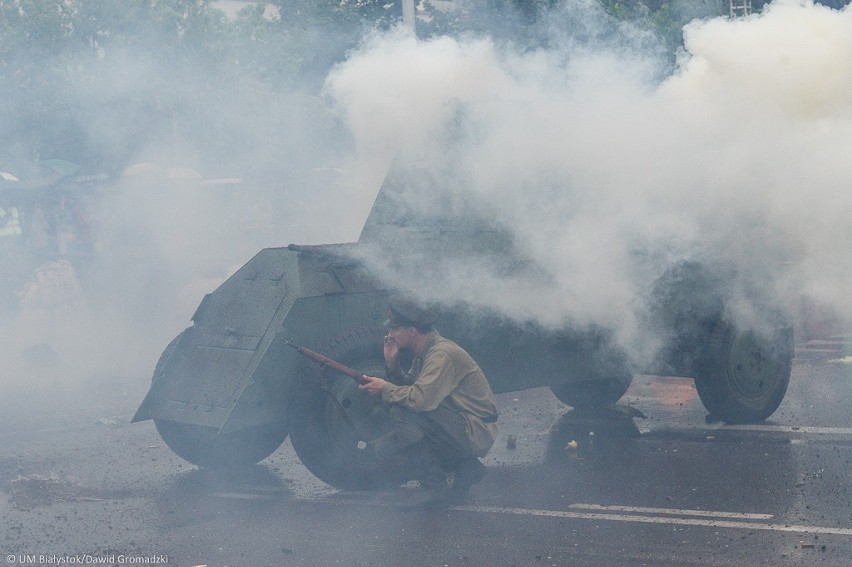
[{"x": 80, "y": 485}]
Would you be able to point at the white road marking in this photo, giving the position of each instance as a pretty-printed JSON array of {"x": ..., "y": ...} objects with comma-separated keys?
[
  {"x": 708, "y": 522},
  {"x": 673, "y": 511},
  {"x": 657, "y": 520},
  {"x": 240, "y": 495},
  {"x": 789, "y": 429},
  {"x": 764, "y": 428}
]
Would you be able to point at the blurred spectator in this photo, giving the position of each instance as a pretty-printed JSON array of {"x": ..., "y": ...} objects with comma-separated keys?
[
  {"x": 64, "y": 221},
  {"x": 10, "y": 218}
]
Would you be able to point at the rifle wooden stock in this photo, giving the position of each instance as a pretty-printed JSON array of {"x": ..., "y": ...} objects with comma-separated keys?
[{"x": 328, "y": 362}]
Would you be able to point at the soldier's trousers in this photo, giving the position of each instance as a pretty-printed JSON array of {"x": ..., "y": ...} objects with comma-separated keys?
[{"x": 425, "y": 440}]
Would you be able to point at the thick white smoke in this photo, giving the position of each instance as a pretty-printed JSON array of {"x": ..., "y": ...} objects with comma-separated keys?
[
  {"x": 606, "y": 176},
  {"x": 202, "y": 171}
]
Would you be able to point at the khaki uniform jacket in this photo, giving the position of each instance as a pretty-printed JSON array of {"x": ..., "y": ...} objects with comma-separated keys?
[{"x": 446, "y": 375}]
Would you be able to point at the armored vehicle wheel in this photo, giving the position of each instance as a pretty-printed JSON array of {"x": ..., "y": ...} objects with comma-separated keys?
[
  {"x": 205, "y": 446},
  {"x": 745, "y": 375},
  {"x": 330, "y": 418},
  {"x": 593, "y": 393}
]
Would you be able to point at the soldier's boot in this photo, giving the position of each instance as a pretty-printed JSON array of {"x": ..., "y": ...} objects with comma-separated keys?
[
  {"x": 428, "y": 469},
  {"x": 470, "y": 473}
]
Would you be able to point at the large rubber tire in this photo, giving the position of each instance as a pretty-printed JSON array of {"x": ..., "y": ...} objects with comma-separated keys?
[
  {"x": 744, "y": 376},
  {"x": 593, "y": 393},
  {"x": 205, "y": 446},
  {"x": 330, "y": 417}
]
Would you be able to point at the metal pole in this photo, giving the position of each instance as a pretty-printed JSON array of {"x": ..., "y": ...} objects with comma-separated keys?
[{"x": 408, "y": 15}]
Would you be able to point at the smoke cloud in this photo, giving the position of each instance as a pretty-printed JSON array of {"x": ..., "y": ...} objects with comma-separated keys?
[
  {"x": 599, "y": 166},
  {"x": 605, "y": 176},
  {"x": 203, "y": 166}
]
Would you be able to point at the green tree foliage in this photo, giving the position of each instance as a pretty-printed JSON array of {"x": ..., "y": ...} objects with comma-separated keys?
[
  {"x": 101, "y": 81},
  {"x": 74, "y": 69}
]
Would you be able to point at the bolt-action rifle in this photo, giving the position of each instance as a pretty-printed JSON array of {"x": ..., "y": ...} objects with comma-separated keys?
[{"x": 327, "y": 362}]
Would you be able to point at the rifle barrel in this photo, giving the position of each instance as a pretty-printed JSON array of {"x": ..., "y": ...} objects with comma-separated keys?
[{"x": 331, "y": 363}]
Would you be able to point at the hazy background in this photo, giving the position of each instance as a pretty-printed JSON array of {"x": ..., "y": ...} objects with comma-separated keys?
[
  {"x": 607, "y": 173},
  {"x": 609, "y": 140}
]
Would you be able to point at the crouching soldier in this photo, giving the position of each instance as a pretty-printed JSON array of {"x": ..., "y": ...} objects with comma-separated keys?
[{"x": 442, "y": 409}]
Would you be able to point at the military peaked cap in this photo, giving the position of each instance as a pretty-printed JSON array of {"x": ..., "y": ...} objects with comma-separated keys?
[{"x": 403, "y": 312}]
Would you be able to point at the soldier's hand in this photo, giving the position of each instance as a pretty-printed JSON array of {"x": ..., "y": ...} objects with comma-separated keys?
[
  {"x": 373, "y": 385},
  {"x": 391, "y": 354}
]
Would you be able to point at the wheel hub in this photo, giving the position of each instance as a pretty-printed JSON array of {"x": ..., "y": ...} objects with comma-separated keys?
[
  {"x": 753, "y": 364},
  {"x": 353, "y": 408}
]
